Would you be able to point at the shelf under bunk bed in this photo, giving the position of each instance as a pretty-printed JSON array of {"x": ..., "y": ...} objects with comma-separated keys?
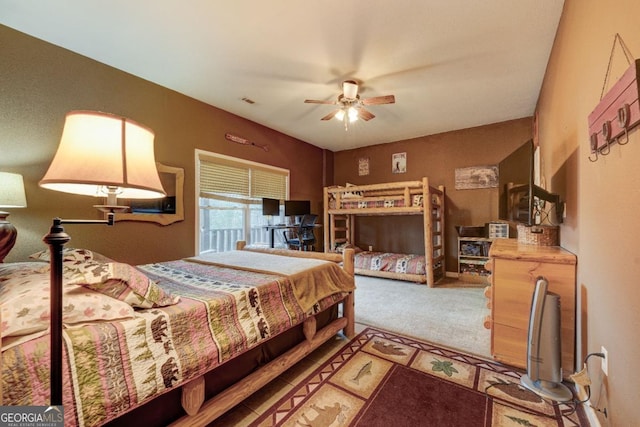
[{"x": 343, "y": 204}]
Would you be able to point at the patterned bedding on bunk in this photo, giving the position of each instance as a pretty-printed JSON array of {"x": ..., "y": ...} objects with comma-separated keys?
[
  {"x": 199, "y": 315},
  {"x": 367, "y": 204},
  {"x": 355, "y": 201},
  {"x": 390, "y": 262}
]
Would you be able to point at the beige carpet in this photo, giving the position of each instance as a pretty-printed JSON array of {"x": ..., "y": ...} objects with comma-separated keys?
[{"x": 447, "y": 315}]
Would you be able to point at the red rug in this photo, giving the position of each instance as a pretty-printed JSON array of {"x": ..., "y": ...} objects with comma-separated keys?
[{"x": 384, "y": 379}]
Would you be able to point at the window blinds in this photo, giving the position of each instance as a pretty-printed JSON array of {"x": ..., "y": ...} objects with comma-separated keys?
[{"x": 223, "y": 176}]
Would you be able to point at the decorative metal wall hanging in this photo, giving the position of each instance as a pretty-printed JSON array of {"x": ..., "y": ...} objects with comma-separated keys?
[{"x": 243, "y": 141}]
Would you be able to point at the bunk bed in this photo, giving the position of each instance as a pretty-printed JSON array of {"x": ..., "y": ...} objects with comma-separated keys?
[{"x": 343, "y": 203}]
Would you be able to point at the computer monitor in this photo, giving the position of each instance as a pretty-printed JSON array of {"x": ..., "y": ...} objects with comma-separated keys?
[
  {"x": 297, "y": 207},
  {"x": 270, "y": 206}
]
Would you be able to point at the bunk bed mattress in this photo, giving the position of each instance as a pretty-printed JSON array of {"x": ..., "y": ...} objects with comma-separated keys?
[
  {"x": 390, "y": 262},
  {"x": 112, "y": 367}
]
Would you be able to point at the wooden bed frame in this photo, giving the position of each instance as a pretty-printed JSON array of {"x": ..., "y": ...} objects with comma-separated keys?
[
  {"x": 393, "y": 198},
  {"x": 200, "y": 412}
]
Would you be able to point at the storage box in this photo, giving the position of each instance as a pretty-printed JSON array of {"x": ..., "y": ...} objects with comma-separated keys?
[
  {"x": 541, "y": 235},
  {"x": 498, "y": 230},
  {"x": 470, "y": 231}
]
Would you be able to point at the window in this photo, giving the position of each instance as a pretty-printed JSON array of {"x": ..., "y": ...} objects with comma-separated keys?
[{"x": 230, "y": 200}]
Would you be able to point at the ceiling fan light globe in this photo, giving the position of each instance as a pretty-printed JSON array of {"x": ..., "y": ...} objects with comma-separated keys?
[
  {"x": 350, "y": 89},
  {"x": 353, "y": 114},
  {"x": 340, "y": 115}
]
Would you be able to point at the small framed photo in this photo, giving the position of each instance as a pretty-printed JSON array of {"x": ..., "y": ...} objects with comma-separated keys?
[
  {"x": 363, "y": 166},
  {"x": 399, "y": 163}
]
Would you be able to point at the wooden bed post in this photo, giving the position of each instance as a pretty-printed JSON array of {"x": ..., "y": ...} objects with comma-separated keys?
[
  {"x": 443, "y": 254},
  {"x": 348, "y": 306},
  {"x": 427, "y": 230},
  {"x": 326, "y": 244},
  {"x": 309, "y": 328},
  {"x": 193, "y": 395}
]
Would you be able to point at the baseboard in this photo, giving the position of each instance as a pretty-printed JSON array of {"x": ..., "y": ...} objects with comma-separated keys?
[{"x": 592, "y": 417}]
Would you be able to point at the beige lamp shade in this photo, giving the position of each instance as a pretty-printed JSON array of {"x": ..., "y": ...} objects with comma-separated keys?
[
  {"x": 102, "y": 153},
  {"x": 12, "y": 191}
]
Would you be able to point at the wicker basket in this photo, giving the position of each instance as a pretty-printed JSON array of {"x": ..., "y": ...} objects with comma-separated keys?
[{"x": 541, "y": 235}]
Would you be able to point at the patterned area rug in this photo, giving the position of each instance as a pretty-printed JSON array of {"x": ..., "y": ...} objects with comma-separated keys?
[{"x": 384, "y": 379}]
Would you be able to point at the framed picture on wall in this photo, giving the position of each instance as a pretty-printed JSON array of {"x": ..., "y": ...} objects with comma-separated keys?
[
  {"x": 399, "y": 163},
  {"x": 363, "y": 166},
  {"x": 476, "y": 177}
]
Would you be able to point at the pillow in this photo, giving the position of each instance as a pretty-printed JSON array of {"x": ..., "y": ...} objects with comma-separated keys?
[
  {"x": 351, "y": 194},
  {"x": 72, "y": 255},
  {"x": 12, "y": 269},
  {"x": 342, "y": 246},
  {"x": 123, "y": 282},
  {"x": 25, "y": 300}
]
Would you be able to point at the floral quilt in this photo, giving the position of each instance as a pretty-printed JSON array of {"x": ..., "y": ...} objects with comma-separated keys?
[{"x": 112, "y": 366}]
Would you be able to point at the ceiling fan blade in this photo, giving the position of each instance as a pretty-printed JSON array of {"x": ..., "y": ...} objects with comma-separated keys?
[
  {"x": 330, "y": 115},
  {"x": 316, "y": 101},
  {"x": 365, "y": 115},
  {"x": 379, "y": 100}
]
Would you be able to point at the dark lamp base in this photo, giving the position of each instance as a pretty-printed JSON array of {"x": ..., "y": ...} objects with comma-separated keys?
[{"x": 8, "y": 234}]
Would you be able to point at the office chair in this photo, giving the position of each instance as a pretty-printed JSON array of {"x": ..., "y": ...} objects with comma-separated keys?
[{"x": 302, "y": 237}]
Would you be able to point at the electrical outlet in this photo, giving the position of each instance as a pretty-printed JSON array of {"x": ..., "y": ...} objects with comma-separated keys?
[{"x": 605, "y": 360}]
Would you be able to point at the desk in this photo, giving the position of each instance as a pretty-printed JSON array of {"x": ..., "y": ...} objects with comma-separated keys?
[{"x": 273, "y": 228}]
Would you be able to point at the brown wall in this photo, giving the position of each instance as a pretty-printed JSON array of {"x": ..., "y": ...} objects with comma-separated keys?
[
  {"x": 40, "y": 83},
  {"x": 602, "y": 198},
  {"x": 436, "y": 157}
]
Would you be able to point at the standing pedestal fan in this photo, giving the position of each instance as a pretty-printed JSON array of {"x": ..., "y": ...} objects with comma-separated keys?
[{"x": 544, "y": 365}]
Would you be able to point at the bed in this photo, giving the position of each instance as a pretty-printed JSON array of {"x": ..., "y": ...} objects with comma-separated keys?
[
  {"x": 409, "y": 267},
  {"x": 176, "y": 342},
  {"x": 343, "y": 203}
]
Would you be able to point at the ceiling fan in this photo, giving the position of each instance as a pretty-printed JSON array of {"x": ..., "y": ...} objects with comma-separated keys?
[{"x": 351, "y": 106}]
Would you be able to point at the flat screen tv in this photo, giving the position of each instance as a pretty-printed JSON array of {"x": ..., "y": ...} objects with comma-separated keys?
[
  {"x": 270, "y": 206},
  {"x": 518, "y": 192},
  {"x": 166, "y": 205},
  {"x": 297, "y": 207}
]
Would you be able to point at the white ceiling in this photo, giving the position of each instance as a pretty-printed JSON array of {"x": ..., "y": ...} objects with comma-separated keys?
[{"x": 451, "y": 64}]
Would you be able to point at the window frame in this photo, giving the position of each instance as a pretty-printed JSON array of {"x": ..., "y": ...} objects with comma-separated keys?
[{"x": 203, "y": 155}]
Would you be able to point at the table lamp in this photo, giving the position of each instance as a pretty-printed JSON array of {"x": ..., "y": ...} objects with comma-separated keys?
[
  {"x": 11, "y": 196},
  {"x": 99, "y": 155}
]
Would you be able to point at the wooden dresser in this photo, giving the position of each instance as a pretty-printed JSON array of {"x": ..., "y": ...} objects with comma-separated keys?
[{"x": 515, "y": 269}]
